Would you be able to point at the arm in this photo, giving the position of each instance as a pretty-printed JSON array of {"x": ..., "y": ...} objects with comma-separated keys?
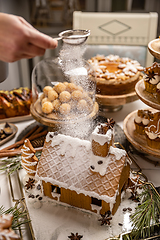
[{"x": 18, "y": 39}]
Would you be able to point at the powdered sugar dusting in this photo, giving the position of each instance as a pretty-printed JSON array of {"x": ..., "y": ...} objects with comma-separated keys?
[
  {"x": 101, "y": 138},
  {"x": 119, "y": 153}
]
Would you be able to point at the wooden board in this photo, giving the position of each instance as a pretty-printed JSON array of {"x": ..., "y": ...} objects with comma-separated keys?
[
  {"x": 17, "y": 119},
  {"x": 146, "y": 97},
  {"x": 137, "y": 140}
]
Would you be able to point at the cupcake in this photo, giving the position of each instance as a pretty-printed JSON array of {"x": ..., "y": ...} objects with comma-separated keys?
[
  {"x": 141, "y": 120},
  {"x": 152, "y": 78},
  {"x": 152, "y": 131}
]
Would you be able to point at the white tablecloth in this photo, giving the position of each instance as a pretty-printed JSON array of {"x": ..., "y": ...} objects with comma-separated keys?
[{"x": 149, "y": 169}]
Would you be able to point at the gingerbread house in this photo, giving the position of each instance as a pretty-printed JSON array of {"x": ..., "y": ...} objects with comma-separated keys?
[{"x": 72, "y": 174}]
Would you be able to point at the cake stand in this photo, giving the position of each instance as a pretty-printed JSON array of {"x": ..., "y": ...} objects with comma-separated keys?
[
  {"x": 56, "y": 124},
  {"x": 146, "y": 97},
  {"x": 109, "y": 103},
  {"x": 138, "y": 141},
  {"x": 154, "y": 47}
]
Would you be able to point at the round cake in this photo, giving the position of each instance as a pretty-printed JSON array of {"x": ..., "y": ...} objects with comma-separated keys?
[{"x": 115, "y": 75}]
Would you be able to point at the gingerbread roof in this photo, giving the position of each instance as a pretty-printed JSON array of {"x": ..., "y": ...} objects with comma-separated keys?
[{"x": 65, "y": 161}]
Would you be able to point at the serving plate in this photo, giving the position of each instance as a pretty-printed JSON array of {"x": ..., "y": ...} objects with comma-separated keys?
[
  {"x": 17, "y": 119},
  {"x": 137, "y": 140},
  {"x": 14, "y": 128},
  {"x": 145, "y": 96}
]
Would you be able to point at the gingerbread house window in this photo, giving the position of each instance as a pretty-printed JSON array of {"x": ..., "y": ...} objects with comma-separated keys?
[
  {"x": 96, "y": 201},
  {"x": 55, "y": 189}
]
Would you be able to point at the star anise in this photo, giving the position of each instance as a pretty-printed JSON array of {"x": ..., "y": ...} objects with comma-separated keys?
[
  {"x": 134, "y": 197},
  {"x": 30, "y": 183},
  {"x": 150, "y": 75},
  {"x": 75, "y": 236},
  {"x": 105, "y": 220},
  {"x": 108, "y": 125}
]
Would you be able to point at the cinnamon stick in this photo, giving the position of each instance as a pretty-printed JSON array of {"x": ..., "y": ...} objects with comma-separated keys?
[
  {"x": 38, "y": 130},
  {"x": 19, "y": 143},
  {"x": 12, "y": 153},
  {"x": 30, "y": 132}
]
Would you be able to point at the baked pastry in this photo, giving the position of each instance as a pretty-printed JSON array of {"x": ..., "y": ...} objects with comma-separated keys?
[
  {"x": 152, "y": 78},
  {"x": 142, "y": 119},
  {"x": 15, "y": 102},
  {"x": 28, "y": 159},
  {"x": 115, "y": 75},
  {"x": 152, "y": 131}
]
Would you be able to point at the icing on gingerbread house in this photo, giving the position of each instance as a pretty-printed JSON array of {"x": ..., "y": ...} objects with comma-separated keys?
[
  {"x": 29, "y": 160},
  {"x": 74, "y": 173}
]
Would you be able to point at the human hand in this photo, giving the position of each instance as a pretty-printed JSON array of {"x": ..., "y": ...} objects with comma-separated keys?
[{"x": 19, "y": 39}]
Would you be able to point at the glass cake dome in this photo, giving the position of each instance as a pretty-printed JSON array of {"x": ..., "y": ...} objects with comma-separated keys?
[{"x": 63, "y": 89}]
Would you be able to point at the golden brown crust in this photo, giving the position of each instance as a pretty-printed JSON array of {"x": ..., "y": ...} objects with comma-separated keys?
[
  {"x": 115, "y": 75},
  {"x": 15, "y": 102}
]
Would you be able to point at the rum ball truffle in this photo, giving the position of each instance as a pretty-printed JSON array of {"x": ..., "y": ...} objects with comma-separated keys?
[
  {"x": 73, "y": 105},
  {"x": 82, "y": 106},
  {"x": 77, "y": 95},
  {"x": 65, "y": 83},
  {"x": 46, "y": 89},
  {"x": 85, "y": 95},
  {"x": 64, "y": 96},
  {"x": 71, "y": 87},
  {"x": 56, "y": 105},
  {"x": 44, "y": 100},
  {"x": 80, "y": 88},
  {"x": 65, "y": 108},
  {"x": 89, "y": 101},
  {"x": 47, "y": 107},
  {"x": 60, "y": 87},
  {"x": 52, "y": 95}
]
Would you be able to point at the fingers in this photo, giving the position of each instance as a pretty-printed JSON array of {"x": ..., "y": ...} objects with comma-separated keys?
[
  {"x": 30, "y": 51},
  {"x": 41, "y": 40},
  {"x": 23, "y": 21},
  {"x": 33, "y": 51}
]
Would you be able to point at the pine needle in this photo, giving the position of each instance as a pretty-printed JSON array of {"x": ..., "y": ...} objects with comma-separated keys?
[
  {"x": 19, "y": 216},
  {"x": 147, "y": 213},
  {"x": 10, "y": 164}
]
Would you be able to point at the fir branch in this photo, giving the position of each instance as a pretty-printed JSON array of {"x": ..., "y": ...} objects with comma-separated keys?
[
  {"x": 13, "y": 164},
  {"x": 19, "y": 216},
  {"x": 10, "y": 164},
  {"x": 147, "y": 213}
]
